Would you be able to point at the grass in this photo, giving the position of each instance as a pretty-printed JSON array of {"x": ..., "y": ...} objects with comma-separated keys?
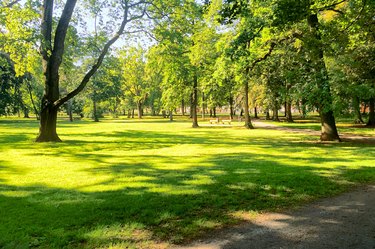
[
  {"x": 146, "y": 184},
  {"x": 314, "y": 124}
]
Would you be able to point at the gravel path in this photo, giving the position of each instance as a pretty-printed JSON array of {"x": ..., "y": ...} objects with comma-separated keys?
[{"x": 345, "y": 221}]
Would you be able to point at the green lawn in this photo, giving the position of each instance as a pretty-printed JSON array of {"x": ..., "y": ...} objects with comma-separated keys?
[{"x": 144, "y": 184}]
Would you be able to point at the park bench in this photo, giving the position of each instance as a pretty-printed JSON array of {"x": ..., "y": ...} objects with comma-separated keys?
[
  {"x": 214, "y": 121},
  {"x": 226, "y": 121}
]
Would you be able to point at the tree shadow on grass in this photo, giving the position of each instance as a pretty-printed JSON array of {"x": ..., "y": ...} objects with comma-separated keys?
[{"x": 149, "y": 204}]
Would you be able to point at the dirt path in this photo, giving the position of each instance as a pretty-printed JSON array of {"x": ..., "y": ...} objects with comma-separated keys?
[{"x": 345, "y": 221}]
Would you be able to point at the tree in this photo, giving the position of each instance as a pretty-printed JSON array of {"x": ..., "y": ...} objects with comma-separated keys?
[{"x": 54, "y": 40}]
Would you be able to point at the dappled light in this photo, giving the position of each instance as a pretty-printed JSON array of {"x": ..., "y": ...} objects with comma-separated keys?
[{"x": 144, "y": 184}]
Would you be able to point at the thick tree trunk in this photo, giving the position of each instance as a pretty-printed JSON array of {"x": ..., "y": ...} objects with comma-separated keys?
[
  {"x": 47, "y": 127},
  {"x": 328, "y": 124},
  {"x": 371, "y": 117},
  {"x": 194, "y": 102},
  {"x": 357, "y": 111},
  {"x": 288, "y": 111},
  {"x": 248, "y": 124}
]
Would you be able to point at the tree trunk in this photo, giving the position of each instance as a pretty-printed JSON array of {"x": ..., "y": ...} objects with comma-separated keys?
[
  {"x": 328, "y": 124},
  {"x": 183, "y": 107},
  {"x": 129, "y": 113},
  {"x": 357, "y": 111},
  {"x": 70, "y": 111},
  {"x": 25, "y": 112},
  {"x": 255, "y": 112},
  {"x": 214, "y": 112},
  {"x": 268, "y": 114},
  {"x": 95, "y": 112},
  {"x": 139, "y": 108},
  {"x": 194, "y": 102},
  {"x": 288, "y": 111},
  {"x": 133, "y": 113},
  {"x": 231, "y": 109},
  {"x": 371, "y": 117},
  {"x": 275, "y": 113},
  {"x": 203, "y": 107},
  {"x": 47, "y": 127},
  {"x": 285, "y": 109},
  {"x": 248, "y": 124},
  {"x": 170, "y": 115}
]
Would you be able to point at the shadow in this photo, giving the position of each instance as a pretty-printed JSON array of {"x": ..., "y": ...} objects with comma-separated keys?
[
  {"x": 129, "y": 194},
  {"x": 341, "y": 222}
]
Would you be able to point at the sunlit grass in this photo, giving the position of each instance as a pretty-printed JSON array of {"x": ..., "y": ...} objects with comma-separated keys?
[{"x": 143, "y": 184}]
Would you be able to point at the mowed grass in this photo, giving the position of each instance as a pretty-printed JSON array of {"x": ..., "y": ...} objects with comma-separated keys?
[{"x": 151, "y": 183}]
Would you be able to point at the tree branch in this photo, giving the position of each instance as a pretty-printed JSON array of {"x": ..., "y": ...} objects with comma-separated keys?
[
  {"x": 10, "y": 5},
  {"x": 330, "y": 7},
  {"x": 99, "y": 61}
]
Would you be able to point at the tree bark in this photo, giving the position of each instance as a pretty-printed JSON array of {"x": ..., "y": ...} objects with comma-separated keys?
[
  {"x": 95, "y": 111},
  {"x": 171, "y": 115},
  {"x": 140, "y": 110},
  {"x": 47, "y": 128},
  {"x": 203, "y": 107},
  {"x": 357, "y": 111},
  {"x": 70, "y": 111},
  {"x": 248, "y": 124},
  {"x": 268, "y": 114},
  {"x": 231, "y": 109},
  {"x": 275, "y": 113},
  {"x": 255, "y": 112},
  {"x": 328, "y": 124},
  {"x": 194, "y": 102},
  {"x": 371, "y": 117},
  {"x": 288, "y": 111},
  {"x": 183, "y": 107}
]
